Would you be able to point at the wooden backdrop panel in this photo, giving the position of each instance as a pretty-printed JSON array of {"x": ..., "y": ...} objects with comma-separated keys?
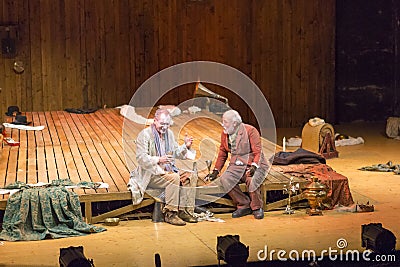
[{"x": 87, "y": 53}]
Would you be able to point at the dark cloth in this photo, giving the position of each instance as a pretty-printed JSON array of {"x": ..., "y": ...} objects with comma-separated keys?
[
  {"x": 299, "y": 156},
  {"x": 229, "y": 181},
  {"x": 80, "y": 110},
  {"x": 35, "y": 213}
]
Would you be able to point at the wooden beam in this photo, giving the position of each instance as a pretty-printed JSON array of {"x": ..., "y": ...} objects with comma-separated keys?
[
  {"x": 117, "y": 212},
  {"x": 106, "y": 196},
  {"x": 283, "y": 202}
]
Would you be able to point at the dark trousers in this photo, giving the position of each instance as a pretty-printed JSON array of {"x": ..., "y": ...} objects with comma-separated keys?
[{"x": 230, "y": 180}]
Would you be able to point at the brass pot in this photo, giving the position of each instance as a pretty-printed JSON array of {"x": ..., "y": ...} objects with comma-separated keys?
[
  {"x": 315, "y": 193},
  {"x": 111, "y": 221}
]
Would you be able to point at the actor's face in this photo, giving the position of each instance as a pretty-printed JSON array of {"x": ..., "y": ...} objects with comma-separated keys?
[
  {"x": 162, "y": 123},
  {"x": 228, "y": 124}
]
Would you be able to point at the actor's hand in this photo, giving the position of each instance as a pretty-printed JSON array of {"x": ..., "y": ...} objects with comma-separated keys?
[
  {"x": 188, "y": 141},
  {"x": 212, "y": 176},
  {"x": 251, "y": 170},
  {"x": 185, "y": 177},
  {"x": 166, "y": 159}
]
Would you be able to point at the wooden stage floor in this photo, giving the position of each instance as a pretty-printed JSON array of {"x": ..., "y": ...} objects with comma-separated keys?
[
  {"x": 95, "y": 147},
  {"x": 81, "y": 147}
]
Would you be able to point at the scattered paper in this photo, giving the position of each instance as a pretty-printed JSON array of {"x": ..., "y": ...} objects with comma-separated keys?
[
  {"x": 350, "y": 141},
  {"x": 129, "y": 112},
  {"x": 191, "y": 154},
  {"x": 194, "y": 109},
  {"x": 23, "y": 127}
]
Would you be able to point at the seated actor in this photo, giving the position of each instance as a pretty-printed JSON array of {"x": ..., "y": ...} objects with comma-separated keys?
[
  {"x": 247, "y": 164},
  {"x": 155, "y": 152}
]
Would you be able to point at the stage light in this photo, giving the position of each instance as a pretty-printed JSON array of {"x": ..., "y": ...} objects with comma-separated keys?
[
  {"x": 157, "y": 260},
  {"x": 377, "y": 238},
  {"x": 231, "y": 250},
  {"x": 73, "y": 257}
]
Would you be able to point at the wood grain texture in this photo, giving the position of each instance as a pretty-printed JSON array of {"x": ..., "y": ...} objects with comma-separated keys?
[{"x": 86, "y": 53}]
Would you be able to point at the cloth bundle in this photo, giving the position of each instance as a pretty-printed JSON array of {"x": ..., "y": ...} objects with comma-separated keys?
[
  {"x": 388, "y": 167},
  {"x": 35, "y": 213}
]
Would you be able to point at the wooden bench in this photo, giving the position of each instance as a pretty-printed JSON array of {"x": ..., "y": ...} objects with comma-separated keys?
[
  {"x": 88, "y": 200},
  {"x": 274, "y": 181}
]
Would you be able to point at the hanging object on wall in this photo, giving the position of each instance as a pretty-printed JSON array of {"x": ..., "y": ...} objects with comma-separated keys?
[
  {"x": 18, "y": 67},
  {"x": 8, "y": 46}
]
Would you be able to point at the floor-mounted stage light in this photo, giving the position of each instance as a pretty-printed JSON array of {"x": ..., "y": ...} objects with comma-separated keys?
[
  {"x": 231, "y": 250},
  {"x": 157, "y": 260},
  {"x": 73, "y": 257},
  {"x": 377, "y": 238}
]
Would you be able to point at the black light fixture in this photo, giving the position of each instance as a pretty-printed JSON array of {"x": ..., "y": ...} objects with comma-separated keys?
[
  {"x": 8, "y": 47},
  {"x": 231, "y": 250},
  {"x": 73, "y": 257},
  {"x": 377, "y": 238},
  {"x": 157, "y": 260}
]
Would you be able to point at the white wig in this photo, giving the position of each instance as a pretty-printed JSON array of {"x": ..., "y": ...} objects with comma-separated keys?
[{"x": 233, "y": 115}]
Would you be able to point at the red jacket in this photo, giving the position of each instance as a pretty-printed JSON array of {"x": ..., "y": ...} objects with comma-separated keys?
[{"x": 248, "y": 148}]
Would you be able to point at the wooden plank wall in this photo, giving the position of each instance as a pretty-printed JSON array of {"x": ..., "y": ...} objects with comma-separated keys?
[{"x": 92, "y": 53}]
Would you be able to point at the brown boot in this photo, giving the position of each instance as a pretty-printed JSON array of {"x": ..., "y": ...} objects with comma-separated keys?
[
  {"x": 173, "y": 218},
  {"x": 186, "y": 217}
]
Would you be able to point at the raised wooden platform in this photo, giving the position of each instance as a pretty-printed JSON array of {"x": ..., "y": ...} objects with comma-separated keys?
[
  {"x": 275, "y": 181},
  {"x": 91, "y": 147},
  {"x": 81, "y": 147}
]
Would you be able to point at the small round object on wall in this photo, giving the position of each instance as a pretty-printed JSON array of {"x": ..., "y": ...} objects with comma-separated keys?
[{"x": 18, "y": 67}]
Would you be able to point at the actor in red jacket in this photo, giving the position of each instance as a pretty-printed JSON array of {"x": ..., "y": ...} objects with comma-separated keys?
[{"x": 247, "y": 164}]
